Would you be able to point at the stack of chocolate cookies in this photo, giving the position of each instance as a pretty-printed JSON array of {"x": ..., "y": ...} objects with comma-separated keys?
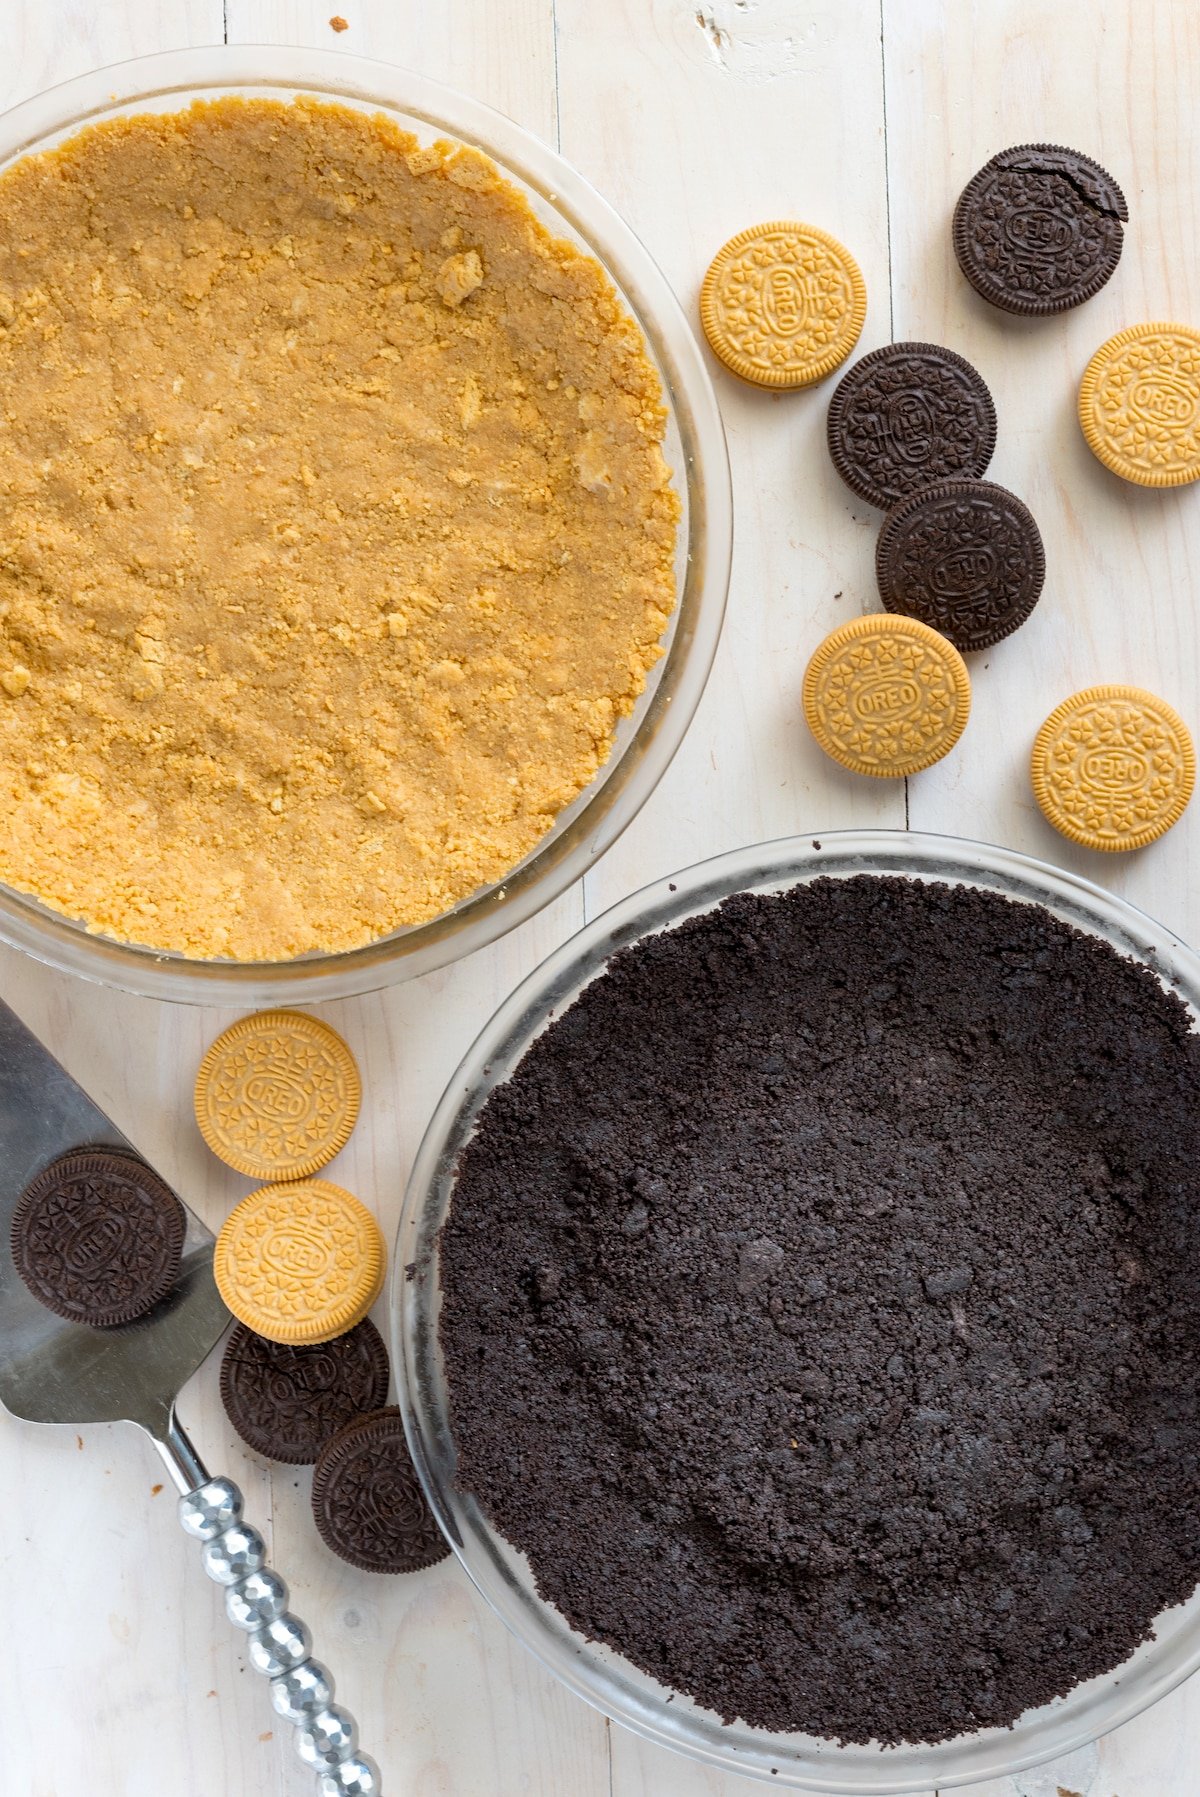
[
  {"x": 911, "y": 429},
  {"x": 323, "y": 1404}
]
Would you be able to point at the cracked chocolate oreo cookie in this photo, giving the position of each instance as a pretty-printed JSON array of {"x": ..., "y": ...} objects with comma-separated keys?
[
  {"x": 908, "y": 415},
  {"x": 97, "y": 1237},
  {"x": 965, "y": 557},
  {"x": 285, "y": 1400},
  {"x": 367, "y": 1500},
  {"x": 1038, "y": 229}
]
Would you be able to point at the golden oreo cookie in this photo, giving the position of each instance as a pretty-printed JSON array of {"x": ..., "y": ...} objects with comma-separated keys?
[
  {"x": 301, "y": 1262},
  {"x": 782, "y": 304},
  {"x": 1113, "y": 767},
  {"x": 886, "y": 695},
  {"x": 277, "y": 1095},
  {"x": 1139, "y": 404}
]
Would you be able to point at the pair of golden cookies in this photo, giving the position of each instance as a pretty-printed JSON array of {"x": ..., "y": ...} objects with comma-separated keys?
[
  {"x": 299, "y": 1260},
  {"x": 1113, "y": 767}
]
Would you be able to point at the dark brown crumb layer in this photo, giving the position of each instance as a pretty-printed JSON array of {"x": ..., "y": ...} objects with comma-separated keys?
[{"x": 821, "y": 1309}]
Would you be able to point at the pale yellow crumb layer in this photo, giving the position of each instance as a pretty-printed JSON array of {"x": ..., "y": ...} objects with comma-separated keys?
[{"x": 335, "y": 530}]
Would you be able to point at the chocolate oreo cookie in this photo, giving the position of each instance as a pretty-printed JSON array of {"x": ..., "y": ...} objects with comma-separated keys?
[
  {"x": 908, "y": 415},
  {"x": 1038, "y": 229},
  {"x": 965, "y": 557},
  {"x": 286, "y": 1400},
  {"x": 97, "y": 1237},
  {"x": 367, "y": 1500}
]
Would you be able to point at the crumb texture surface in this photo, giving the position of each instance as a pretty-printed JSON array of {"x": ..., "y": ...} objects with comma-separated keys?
[
  {"x": 821, "y": 1306},
  {"x": 335, "y": 530}
]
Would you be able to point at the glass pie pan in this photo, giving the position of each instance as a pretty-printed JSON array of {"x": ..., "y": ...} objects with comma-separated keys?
[
  {"x": 607, "y": 1680},
  {"x": 694, "y": 447}
]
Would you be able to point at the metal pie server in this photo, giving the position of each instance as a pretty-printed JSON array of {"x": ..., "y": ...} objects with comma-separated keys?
[{"x": 53, "y": 1371}]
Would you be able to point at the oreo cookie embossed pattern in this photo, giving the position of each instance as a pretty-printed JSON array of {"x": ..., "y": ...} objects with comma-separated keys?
[
  {"x": 367, "y": 1500},
  {"x": 98, "y": 1237},
  {"x": 820, "y": 1307},
  {"x": 906, "y": 416},
  {"x": 1038, "y": 229},
  {"x": 301, "y": 1262},
  {"x": 277, "y": 1095},
  {"x": 1139, "y": 404},
  {"x": 286, "y": 1400},
  {"x": 966, "y": 558},
  {"x": 1113, "y": 767},
  {"x": 782, "y": 304},
  {"x": 886, "y": 696}
]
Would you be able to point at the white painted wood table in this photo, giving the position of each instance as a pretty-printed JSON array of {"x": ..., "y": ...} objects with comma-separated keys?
[{"x": 694, "y": 117}]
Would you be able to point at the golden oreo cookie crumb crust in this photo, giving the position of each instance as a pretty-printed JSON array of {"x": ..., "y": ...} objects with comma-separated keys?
[{"x": 335, "y": 531}]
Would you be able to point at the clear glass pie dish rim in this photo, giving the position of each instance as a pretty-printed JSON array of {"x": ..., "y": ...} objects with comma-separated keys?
[
  {"x": 645, "y": 742},
  {"x": 604, "y": 1679}
]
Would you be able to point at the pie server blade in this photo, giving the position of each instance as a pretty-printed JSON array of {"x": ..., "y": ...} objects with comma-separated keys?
[{"x": 55, "y": 1371}]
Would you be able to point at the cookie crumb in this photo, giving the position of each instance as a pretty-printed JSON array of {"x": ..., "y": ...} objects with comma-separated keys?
[
  {"x": 337, "y": 23},
  {"x": 459, "y": 276},
  {"x": 154, "y": 1490}
]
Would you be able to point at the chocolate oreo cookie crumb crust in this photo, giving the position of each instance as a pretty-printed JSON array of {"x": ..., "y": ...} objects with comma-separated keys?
[{"x": 820, "y": 1308}]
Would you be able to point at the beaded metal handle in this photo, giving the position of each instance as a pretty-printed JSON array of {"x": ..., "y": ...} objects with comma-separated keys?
[{"x": 256, "y": 1600}]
